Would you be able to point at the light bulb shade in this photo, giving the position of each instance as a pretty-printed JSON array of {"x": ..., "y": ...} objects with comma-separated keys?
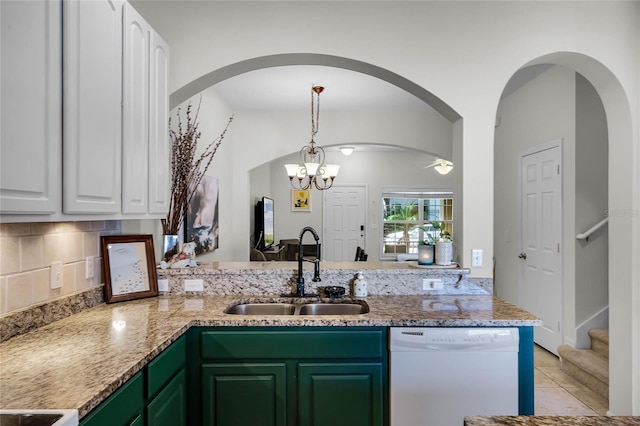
[
  {"x": 346, "y": 150},
  {"x": 312, "y": 168},
  {"x": 292, "y": 169},
  {"x": 443, "y": 169},
  {"x": 330, "y": 171}
]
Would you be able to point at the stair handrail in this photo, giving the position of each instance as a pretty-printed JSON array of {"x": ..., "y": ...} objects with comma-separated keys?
[{"x": 586, "y": 234}]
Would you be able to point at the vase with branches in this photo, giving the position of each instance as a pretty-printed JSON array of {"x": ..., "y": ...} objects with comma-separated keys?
[{"x": 187, "y": 170}]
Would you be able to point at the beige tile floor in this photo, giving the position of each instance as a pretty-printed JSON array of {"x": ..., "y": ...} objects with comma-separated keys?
[{"x": 558, "y": 394}]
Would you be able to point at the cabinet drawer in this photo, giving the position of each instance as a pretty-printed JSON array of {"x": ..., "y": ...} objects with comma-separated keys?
[
  {"x": 298, "y": 343},
  {"x": 165, "y": 366}
]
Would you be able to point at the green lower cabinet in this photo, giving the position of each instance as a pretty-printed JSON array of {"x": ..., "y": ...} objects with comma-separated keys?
[
  {"x": 155, "y": 396},
  {"x": 123, "y": 408},
  {"x": 340, "y": 394},
  {"x": 244, "y": 393},
  {"x": 169, "y": 407},
  {"x": 289, "y": 376}
]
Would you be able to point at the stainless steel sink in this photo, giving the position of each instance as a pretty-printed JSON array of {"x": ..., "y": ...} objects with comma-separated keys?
[
  {"x": 38, "y": 417},
  {"x": 333, "y": 309},
  {"x": 262, "y": 309},
  {"x": 279, "y": 308}
]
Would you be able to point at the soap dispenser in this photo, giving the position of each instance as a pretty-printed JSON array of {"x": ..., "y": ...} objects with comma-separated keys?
[{"x": 360, "y": 286}]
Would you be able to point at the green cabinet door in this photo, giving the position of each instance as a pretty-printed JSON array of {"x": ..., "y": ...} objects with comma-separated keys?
[
  {"x": 169, "y": 407},
  {"x": 341, "y": 394},
  {"x": 243, "y": 394},
  {"x": 123, "y": 408}
]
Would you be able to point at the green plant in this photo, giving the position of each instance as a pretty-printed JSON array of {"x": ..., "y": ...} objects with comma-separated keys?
[{"x": 442, "y": 235}]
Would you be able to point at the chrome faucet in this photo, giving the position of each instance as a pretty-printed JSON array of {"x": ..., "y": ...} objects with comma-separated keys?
[{"x": 316, "y": 262}]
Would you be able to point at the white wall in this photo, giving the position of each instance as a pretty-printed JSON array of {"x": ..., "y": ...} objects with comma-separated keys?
[
  {"x": 464, "y": 53},
  {"x": 544, "y": 109},
  {"x": 539, "y": 112},
  {"x": 591, "y": 267}
]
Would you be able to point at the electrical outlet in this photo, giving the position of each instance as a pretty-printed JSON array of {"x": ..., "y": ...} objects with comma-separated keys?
[
  {"x": 163, "y": 285},
  {"x": 88, "y": 267},
  {"x": 476, "y": 258},
  {"x": 55, "y": 279},
  {"x": 432, "y": 284},
  {"x": 193, "y": 285}
]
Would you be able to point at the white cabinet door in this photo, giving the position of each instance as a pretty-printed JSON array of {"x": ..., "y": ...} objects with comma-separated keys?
[
  {"x": 31, "y": 113},
  {"x": 159, "y": 143},
  {"x": 135, "y": 111},
  {"x": 92, "y": 63},
  {"x": 145, "y": 156}
]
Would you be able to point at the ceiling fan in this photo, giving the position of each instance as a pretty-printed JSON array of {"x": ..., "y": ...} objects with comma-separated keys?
[{"x": 442, "y": 166}]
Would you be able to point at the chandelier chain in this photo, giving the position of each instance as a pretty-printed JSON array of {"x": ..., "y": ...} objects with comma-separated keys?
[{"x": 315, "y": 118}]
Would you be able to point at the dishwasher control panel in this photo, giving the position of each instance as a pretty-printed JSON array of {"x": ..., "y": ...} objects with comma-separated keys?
[{"x": 426, "y": 338}]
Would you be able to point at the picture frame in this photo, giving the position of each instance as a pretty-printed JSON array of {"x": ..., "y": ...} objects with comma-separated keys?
[
  {"x": 128, "y": 267},
  {"x": 301, "y": 200},
  {"x": 201, "y": 224}
]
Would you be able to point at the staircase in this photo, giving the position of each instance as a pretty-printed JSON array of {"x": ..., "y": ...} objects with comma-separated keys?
[{"x": 589, "y": 366}]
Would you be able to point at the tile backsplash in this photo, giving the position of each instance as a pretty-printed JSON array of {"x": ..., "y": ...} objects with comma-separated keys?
[{"x": 28, "y": 249}]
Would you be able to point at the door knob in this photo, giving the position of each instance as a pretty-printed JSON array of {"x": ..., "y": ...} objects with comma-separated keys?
[{"x": 522, "y": 255}]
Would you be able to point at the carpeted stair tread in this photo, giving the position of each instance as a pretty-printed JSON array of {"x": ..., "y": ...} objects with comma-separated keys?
[
  {"x": 587, "y": 367},
  {"x": 600, "y": 341},
  {"x": 600, "y": 334}
]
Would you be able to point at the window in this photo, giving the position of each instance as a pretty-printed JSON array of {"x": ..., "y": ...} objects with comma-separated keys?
[{"x": 407, "y": 218}]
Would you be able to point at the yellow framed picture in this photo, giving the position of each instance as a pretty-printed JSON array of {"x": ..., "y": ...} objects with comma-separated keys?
[{"x": 300, "y": 200}]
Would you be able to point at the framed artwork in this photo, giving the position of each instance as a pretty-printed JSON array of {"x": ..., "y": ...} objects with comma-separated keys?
[
  {"x": 300, "y": 200},
  {"x": 201, "y": 223},
  {"x": 129, "y": 267}
]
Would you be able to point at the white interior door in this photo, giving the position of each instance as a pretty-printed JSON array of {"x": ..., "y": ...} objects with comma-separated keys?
[
  {"x": 344, "y": 227},
  {"x": 541, "y": 256}
]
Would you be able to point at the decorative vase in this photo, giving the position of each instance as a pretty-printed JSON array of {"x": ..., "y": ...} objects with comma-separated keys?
[
  {"x": 425, "y": 254},
  {"x": 169, "y": 246},
  {"x": 444, "y": 253}
]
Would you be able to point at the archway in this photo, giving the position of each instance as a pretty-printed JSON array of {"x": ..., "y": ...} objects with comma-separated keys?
[
  {"x": 623, "y": 232},
  {"x": 210, "y": 79}
]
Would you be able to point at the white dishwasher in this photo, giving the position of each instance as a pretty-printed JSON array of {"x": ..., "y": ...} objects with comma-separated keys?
[{"x": 439, "y": 375}]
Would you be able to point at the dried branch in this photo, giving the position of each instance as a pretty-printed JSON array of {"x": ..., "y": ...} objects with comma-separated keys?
[{"x": 186, "y": 171}]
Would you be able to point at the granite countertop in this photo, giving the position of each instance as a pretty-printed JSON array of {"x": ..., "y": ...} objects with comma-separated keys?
[
  {"x": 77, "y": 362},
  {"x": 551, "y": 421}
]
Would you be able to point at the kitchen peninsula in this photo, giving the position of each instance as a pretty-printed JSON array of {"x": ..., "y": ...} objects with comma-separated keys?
[{"x": 80, "y": 361}]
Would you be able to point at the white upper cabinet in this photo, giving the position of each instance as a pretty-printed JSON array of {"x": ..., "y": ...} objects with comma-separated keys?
[
  {"x": 159, "y": 143},
  {"x": 145, "y": 141},
  {"x": 92, "y": 148},
  {"x": 31, "y": 113},
  {"x": 135, "y": 112},
  {"x": 84, "y": 113}
]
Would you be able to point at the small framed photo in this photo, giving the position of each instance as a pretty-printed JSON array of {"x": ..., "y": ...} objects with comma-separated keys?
[
  {"x": 300, "y": 200},
  {"x": 129, "y": 267}
]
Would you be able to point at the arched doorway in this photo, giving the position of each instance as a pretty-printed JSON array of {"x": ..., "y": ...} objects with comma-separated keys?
[{"x": 622, "y": 188}]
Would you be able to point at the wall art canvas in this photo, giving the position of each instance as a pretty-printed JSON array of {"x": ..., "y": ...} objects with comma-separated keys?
[
  {"x": 301, "y": 200},
  {"x": 201, "y": 223}
]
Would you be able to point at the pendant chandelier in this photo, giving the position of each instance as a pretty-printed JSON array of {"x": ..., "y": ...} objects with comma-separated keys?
[{"x": 313, "y": 171}]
